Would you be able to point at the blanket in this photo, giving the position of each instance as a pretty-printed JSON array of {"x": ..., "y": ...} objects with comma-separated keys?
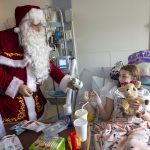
[{"x": 122, "y": 136}]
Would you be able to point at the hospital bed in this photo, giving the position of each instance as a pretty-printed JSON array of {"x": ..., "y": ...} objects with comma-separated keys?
[{"x": 95, "y": 78}]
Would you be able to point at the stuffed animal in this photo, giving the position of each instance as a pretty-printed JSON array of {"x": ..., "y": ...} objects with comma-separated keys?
[{"x": 130, "y": 92}]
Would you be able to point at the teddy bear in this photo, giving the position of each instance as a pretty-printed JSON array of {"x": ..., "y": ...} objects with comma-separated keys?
[{"x": 130, "y": 92}]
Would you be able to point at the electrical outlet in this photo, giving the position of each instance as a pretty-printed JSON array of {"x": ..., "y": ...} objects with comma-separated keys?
[{"x": 68, "y": 35}]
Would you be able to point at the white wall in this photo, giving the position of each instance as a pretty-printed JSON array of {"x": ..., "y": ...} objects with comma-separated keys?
[
  {"x": 109, "y": 30},
  {"x": 7, "y": 10}
]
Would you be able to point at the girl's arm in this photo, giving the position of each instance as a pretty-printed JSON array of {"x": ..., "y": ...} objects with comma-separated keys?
[{"x": 106, "y": 111}]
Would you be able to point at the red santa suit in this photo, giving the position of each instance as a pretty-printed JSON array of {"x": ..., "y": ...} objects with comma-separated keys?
[{"x": 15, "y": 70}]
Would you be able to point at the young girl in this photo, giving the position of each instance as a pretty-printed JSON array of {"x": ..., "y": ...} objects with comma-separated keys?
[{"x": 116, "y": 131}]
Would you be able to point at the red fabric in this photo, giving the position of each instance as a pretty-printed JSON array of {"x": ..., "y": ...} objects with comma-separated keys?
[
  {"x": 14, "y": 110},
  {"x": 7, "y": 73},
  {"x": 21, "y": 11},
  {"x": 40, "y": 96},
  {"x": 8, "y": 40},
  {"x": 56, "y": 73},
  {"x": 9, "y": 43}
]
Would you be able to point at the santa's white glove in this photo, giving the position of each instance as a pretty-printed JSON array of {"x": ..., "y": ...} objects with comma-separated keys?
[{"x": 92, "y": 96}]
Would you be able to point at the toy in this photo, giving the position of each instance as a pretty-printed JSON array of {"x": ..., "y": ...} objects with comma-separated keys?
[
  {"x": 44, "y": 142},
  {"x": 130, "y": 92}
]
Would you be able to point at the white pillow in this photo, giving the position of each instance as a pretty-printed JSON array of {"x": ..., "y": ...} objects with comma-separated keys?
[
  {"x": 102, "y": 89},
  {"x": 97, "y": 83},
  {"x": 105, "y": 89}
]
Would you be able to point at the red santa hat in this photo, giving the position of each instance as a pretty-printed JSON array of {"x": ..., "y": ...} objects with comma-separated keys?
[{"x": 21, "y": 12}]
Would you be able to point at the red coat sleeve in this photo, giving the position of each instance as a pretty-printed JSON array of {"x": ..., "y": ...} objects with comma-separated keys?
[
  {"x": 5, "y": 79},
  {"x": 56, "y": 73}
]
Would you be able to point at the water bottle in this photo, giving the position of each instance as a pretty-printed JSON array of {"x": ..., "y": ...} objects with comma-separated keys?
[
  {"x": 2, "y": 128},
  {"x": 68, "y": 114}
]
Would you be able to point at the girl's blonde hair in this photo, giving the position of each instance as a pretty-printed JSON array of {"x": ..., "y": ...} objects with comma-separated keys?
[{"x": 133, "y": 70}]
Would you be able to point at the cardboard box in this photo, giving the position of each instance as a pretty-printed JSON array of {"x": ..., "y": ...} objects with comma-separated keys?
[{"x": 49, "y": 143}]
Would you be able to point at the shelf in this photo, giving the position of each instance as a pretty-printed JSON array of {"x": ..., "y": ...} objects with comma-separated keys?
[
  {"x": 57, "y": 93},
  {"x": 55, "y": 24},
  {"x": 57, "y": 101}
]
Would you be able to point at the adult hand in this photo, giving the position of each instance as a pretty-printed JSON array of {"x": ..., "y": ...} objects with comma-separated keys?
[
  {"x": 25, "y": 90},
  {"x": 71, "y": 85},
  {"x": 75, "y": 83}
]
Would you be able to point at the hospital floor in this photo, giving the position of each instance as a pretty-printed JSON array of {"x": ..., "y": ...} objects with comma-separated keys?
[{"x": 52, "y": 111}]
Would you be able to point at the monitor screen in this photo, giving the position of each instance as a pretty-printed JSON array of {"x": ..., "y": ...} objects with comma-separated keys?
[{"x": 62, "y": 62}]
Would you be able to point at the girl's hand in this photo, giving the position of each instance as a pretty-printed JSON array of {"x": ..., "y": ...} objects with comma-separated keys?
[
  {"x": 92, "y": 96},
  {"x": 135, "y": 104},
  {"x": 25, "y": 90}
]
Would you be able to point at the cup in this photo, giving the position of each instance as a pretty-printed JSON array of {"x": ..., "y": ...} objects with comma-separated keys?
[
  {"x": 67, "y": 109},
  {"x": 80, "y": 125},
  {"x": 81, "y": 113}
]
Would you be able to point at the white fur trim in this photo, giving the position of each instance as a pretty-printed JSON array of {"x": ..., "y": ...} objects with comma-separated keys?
[
  {"x": 30, "y": 103},
  {"x": 64, "y": 82},
  {"x": 36, "y": 16},
  {"x": 13, "y": 63},
  {"x": 46, "y": 114},
  {"x": 17, "y": 30},
  {"x": 13, "y": 87},
  {"x": 31, "y": 80}
]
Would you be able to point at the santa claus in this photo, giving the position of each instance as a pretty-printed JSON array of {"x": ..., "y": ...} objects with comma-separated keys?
[{"x": 24, "y": 64}]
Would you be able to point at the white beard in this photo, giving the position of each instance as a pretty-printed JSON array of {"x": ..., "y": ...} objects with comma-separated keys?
[{"x": 36, "y": 50}]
